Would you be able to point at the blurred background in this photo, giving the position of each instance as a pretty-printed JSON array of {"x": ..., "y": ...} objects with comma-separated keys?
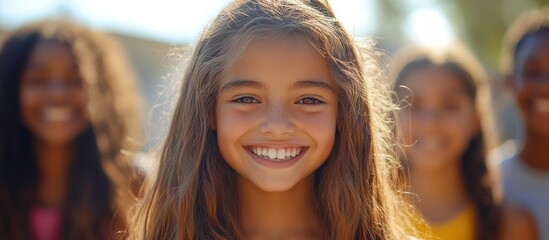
[{"x": 152, "y": 31}]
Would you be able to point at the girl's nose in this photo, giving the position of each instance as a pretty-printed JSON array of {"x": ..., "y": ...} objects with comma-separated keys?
[
  {"x": 429, "y": 119},
  {"x": 277, "y": 122},
  {"x": 57, "y": 89},
  {"x": 430, "y": 115}
]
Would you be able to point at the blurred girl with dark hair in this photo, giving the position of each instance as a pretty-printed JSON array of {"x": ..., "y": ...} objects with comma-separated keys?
[
  {"x": 525, "y": 169},
  {"x": 68, "y": 104},
  {"x": 445, "y": 128}
]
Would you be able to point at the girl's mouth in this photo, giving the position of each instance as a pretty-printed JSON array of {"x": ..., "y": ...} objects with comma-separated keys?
[
  {"x": 57, "y": 114},
  {"x": 276, "y": 154}
]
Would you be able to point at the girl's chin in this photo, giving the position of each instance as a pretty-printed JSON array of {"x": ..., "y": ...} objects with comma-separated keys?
[
  {"x": 273, "y": 184},
  {"x": 430, "y": 162}
]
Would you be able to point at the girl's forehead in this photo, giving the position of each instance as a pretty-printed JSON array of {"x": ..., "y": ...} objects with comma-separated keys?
[
  {"x": 432, "y": 79},
  {"x": 259, "y": 42},
  {"x": 48, "y": 50},
  {"x": 279, "y": 51},
  {"x": 282, "y": 44},
  {"x": 282, "y": 58}
]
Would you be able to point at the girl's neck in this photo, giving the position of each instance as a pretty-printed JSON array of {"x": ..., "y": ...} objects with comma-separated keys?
[
  {"x": 53, "y": 162},
  {"x": 278, "y": 215},
  {"x": 534, "y": 152},
  {"x": 440, "y": 193}
]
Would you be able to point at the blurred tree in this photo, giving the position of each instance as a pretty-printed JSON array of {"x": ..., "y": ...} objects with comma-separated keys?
[
  {"x": 391, "y": 17},
  {"x": 481, "y": 24}
]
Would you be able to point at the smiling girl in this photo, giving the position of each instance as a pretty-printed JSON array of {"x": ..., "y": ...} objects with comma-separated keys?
[
  {"x": 280, "y": 132},
  {"x": 525, "y": 173},
  {"x": 68, "y": 106},
  {"x": 445, "y": 129}
]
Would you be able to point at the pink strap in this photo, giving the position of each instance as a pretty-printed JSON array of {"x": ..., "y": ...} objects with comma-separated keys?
[{"x": 45, "y": 223}]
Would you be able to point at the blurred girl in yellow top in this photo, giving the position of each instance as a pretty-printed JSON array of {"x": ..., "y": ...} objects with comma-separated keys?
[{"x": 443, "y": 122}]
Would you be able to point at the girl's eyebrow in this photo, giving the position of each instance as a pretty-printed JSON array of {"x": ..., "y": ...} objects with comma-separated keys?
[
  {"x": 314, "y": 84},
  {"x": 254, "y": 84},
  {"x": 454, "y": 92},
  {"x": 241, "y": 83}
]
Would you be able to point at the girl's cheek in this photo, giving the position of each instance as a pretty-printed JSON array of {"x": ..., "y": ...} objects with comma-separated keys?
[
  {"x": 459, "y": 116},
  {"x": 322, "y": 124},
  {"x": 228, "y": 116},
  {"x": 29, "y": 99}
]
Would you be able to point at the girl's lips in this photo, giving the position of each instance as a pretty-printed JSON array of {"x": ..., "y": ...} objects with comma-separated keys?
[
  {"x": 57, "y": 114},
  {"x": 276, "y": 157},
  {"x": 276, "y": 153}
]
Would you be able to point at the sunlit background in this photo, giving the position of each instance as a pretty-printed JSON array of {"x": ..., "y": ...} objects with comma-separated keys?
[
  {"x": 149, "y": 29},
  {"x": 182, "y": 21}
]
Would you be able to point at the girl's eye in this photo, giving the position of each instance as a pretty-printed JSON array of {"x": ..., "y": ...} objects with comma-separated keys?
[
  {"x": 245, "y": 100},
  {"x": 451, "y": 107},
  {"x": 309, "y": 101}
]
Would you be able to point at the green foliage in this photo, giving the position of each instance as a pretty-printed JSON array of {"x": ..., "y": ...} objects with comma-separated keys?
[{"x": 480, "y": 23}]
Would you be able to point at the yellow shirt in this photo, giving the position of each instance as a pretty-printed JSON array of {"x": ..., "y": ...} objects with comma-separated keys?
[{"x": 461, "y": 227}]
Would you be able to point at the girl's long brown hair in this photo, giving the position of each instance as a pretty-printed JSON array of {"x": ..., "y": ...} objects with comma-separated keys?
[
  {"x": 192, "y": 194},
  {"x": 98, "y": 194},
  {"x": 478, "y": 182}
]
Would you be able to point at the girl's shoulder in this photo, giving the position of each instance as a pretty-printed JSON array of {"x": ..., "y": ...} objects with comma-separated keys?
[{"x": 517, "y": 223}]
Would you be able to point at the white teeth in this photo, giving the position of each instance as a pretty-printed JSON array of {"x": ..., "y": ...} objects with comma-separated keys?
[
  {"x": 57, "y": 114},
  {"x": 272, "y": 153},
  {"x": 278, "y": 154},
  {"x": 281, "y": 154},
  {"x": 541, "y": 105}
]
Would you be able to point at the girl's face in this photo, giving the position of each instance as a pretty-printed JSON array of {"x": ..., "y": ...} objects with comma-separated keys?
[
  {"x": 276, "y": 113},
  {"x": 52, "y": 99},
  {"x": 531, "y": 83},
  {"x": 441, "y": 121}
]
